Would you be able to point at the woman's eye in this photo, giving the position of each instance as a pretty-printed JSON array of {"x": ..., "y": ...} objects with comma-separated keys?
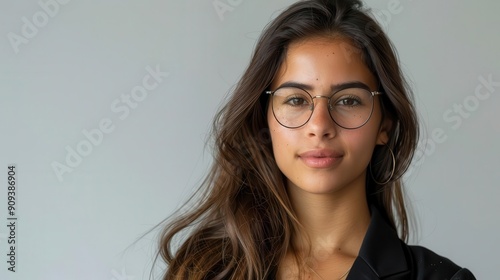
[
  {"x": 348, "y": 102},
  {"x": 296, "y": 101}
]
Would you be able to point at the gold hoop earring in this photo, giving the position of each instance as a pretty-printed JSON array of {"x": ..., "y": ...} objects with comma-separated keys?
[{"x": 392, "y": 172}]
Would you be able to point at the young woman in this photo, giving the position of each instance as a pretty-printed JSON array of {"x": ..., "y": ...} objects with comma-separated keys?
[{"x": 309, "y": 154}]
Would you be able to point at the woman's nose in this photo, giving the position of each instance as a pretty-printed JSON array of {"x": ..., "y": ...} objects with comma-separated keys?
[{"x": 321, "y": 123}]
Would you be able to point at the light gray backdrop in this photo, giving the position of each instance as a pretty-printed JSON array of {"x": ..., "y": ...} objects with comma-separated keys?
[{"x": 105, "y": 108}]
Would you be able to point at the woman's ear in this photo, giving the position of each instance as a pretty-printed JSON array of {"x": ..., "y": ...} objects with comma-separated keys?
[{"x": 383, "y": 132}]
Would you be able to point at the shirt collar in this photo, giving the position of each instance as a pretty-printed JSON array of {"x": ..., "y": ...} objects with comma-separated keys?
[{"x": 381, "y": 254}]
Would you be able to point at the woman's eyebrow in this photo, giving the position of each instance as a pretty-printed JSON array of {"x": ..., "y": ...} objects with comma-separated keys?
[{"x": 333, "y": 88}]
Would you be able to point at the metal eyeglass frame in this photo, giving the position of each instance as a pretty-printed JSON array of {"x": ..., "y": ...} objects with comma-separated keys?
[{"x": 373, "y": 94}]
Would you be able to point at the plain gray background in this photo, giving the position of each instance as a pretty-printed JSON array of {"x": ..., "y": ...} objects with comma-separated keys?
[{"x": 67, "y": 67}]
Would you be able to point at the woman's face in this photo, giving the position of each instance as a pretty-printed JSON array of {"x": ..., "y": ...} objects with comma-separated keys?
[{"x": 322, "y": 157}]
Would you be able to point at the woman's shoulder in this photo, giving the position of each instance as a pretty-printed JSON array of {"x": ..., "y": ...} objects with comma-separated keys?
[{"x": 429, "y": 265}]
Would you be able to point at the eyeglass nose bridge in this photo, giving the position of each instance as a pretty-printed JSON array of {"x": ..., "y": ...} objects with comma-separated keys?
[{"x": 328, "y": 98}]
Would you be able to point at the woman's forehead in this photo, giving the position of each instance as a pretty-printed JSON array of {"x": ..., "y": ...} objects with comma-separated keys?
[{"x": 329, "y": 60}]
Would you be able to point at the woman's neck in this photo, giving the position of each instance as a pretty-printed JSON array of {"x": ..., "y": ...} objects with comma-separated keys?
[{"x": 332, "y": 223}]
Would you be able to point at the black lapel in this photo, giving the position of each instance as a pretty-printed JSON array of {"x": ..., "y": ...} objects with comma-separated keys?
[{"x": 382, "y": 255}]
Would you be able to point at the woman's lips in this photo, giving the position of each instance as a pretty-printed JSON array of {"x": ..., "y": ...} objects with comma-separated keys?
[{"x": 320, "y": 158}]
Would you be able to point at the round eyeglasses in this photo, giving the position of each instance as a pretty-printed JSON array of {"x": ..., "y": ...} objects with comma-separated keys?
[{"x": 349, "y": 107}]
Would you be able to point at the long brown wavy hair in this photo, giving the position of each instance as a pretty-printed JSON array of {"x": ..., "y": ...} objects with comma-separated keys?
[{"x": 240, "y": 223}]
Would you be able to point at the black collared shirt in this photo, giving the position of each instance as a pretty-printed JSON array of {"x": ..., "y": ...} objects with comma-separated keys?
[{"x": 384, "y": 256}]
